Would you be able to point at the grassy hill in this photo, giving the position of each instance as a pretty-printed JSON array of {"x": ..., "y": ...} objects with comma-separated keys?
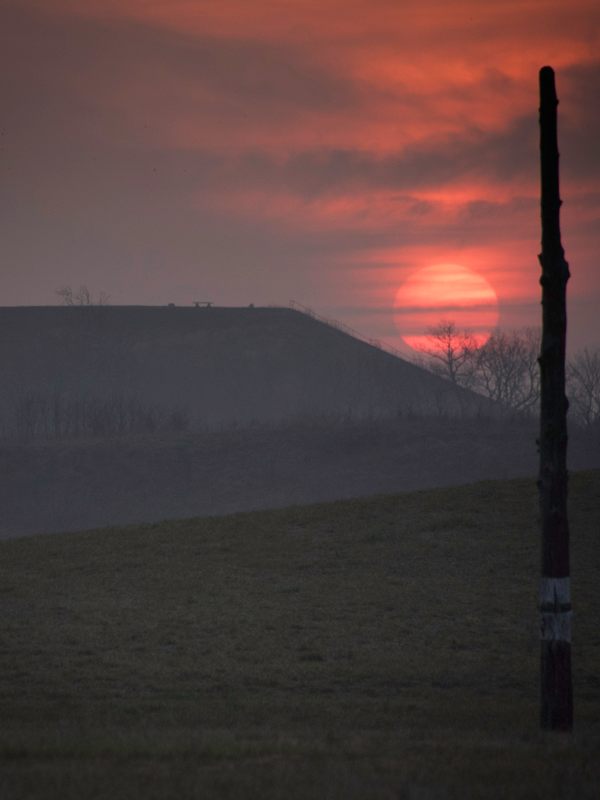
[
  {"x": 218, "y": 365},
  {"x": 379, "y": 648}
]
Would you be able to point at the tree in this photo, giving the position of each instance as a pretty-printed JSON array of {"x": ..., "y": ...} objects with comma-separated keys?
[
  {"x": 450, "y": 353},
  {"x": 81, "y": 297},
  {"x": 506, "y": 369},
  {"x": 583, "y": 377}
]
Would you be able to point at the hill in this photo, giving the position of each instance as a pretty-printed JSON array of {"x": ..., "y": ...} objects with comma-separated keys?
[
  {"x": 384, "y": 647},
  {"x": 215, "y": 366},
  {"x": 117, "y": 415}
]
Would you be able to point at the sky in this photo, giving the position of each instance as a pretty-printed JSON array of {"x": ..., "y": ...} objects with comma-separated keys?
[{"x": 322, "y": 151}]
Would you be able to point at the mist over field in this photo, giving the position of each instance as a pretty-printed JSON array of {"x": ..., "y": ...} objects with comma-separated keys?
[{"x": 115, "y": 415}]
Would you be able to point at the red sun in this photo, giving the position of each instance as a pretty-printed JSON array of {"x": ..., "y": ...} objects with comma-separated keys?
[{"x": 445, "y": 293}]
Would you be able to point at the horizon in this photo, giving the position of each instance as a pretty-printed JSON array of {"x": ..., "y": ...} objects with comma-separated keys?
[{"x": 400, "y": 347}]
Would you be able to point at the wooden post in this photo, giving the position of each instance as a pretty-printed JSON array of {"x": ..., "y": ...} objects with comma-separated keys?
[{"x": 555, "y": 593}]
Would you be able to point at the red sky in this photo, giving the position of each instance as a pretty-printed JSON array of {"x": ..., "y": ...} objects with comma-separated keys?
[{"x": 321, "y": 151}]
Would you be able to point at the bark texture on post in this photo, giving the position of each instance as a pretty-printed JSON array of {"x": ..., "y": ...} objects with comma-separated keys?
[{"x": 555, "y": 594}]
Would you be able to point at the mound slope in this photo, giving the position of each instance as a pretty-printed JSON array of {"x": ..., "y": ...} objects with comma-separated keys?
[{"x": 221, "y": 365}]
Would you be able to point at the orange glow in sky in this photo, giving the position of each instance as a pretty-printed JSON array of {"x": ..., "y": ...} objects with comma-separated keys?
[{"x": 445, "y": 293}]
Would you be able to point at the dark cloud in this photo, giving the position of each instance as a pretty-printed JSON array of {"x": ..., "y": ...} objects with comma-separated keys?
[
  {"x": 578, "y": 89},
  {"x": 498, "y": 157},
  {"x": 88, "y": 195},
  {"x": 64, "y": 98},
  {"x": 68, "y": 71}
]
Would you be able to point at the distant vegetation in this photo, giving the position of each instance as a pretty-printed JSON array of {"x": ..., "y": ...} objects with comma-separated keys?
[
  {"x": 37, "y": 416},
  {"x": 81, "y": 297},
  {"x": 583, "y": 381},
  {"x": 505, "y": 369}
]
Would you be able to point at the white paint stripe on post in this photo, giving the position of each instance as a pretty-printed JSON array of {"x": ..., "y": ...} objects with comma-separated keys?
[
  {"x": 556, "y": 627},
  {"x": 555, "y": 591},
  {"x": 555, "y": 610}
]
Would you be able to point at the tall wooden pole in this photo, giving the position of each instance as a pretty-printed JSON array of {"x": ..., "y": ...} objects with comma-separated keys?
[{"x": 555, "y": 592}]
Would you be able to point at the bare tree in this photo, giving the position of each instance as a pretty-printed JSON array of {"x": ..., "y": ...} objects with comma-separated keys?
[
  {"x": 450, "y": 353},
  {"x": 583, "y": 380},
  {"x": 82, "y": 297},
  {"x": 506, "y": 369}
]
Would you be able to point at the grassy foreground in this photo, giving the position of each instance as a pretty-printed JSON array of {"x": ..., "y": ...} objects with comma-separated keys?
[{"x": 378, "y": 648}]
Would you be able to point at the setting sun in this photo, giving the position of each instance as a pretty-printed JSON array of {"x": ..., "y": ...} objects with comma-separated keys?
[{"x": 449, "y": 292}]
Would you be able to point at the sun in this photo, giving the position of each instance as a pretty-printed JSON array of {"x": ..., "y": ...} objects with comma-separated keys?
[{"x": 445, "y": 292}]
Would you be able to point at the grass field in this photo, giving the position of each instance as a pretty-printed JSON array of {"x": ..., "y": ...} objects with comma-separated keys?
[{"x": 377, "y": 648}]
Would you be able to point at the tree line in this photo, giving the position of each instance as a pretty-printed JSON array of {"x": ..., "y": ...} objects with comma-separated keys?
[
  {"x": 506, "y": 370},
  {"x": 55, "y": 416}
]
